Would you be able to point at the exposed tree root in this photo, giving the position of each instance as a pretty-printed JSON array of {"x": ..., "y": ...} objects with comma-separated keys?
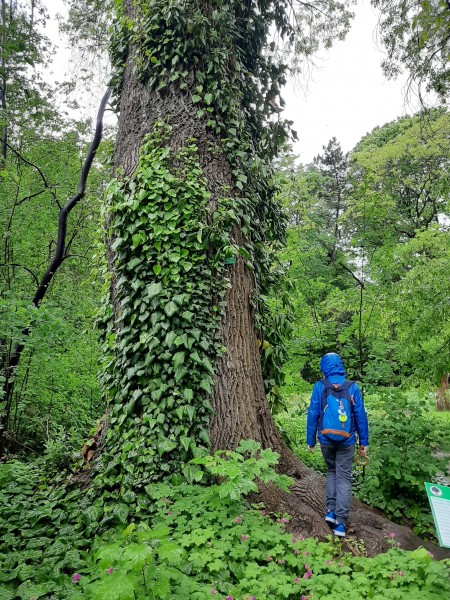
[{"x": 369, "y": 532}]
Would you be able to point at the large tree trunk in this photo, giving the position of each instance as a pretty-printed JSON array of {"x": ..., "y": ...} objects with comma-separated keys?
[{"x": 239, "y": 402}]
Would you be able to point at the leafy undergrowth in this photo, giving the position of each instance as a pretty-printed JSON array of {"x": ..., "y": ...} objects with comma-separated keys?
[{"x": 186, "y": 540}]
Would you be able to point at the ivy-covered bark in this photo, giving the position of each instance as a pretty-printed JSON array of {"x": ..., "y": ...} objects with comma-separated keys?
[{"x": 190, "y": 348}]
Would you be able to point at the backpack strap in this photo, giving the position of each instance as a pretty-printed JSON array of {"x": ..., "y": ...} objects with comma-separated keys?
[{"x": 326, "y": 386}]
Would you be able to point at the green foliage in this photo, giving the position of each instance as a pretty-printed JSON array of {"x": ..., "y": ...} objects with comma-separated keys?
[
  {"x": 158, "y": 367},
  {"x": 292, "y": 425},
  {"x": 407, "y": 164},
  {"x": 407, "y": 440},
  {"x": 240, "y": 468},
  {"x": 323, "y": 290},
  {"x": 367, "y": 254},
  {"x": 404, "y": 444},
  {"x": 55, "y": 384},
  {"x": 202, "y": 546},
  {"x": 213, "y": 68},
  {"x": 415, "y": 35},
  {"x": 188, "y": 542}
]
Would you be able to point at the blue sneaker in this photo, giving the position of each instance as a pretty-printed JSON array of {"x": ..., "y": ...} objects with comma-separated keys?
[
  {"x": 339, "y": 530},
  {"x": 330, "y": 519}
]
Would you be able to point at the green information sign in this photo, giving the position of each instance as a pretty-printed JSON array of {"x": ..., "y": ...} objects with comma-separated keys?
[{"x": 439, "y": 497}]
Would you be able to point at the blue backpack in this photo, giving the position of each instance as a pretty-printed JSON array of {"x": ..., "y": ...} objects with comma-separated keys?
[{"x": 337, "y": 418}]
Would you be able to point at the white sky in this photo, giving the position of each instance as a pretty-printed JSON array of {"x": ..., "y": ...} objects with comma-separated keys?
[{"x": 346, "y": 96}]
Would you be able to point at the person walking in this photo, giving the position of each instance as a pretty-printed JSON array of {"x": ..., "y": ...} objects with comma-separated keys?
[{"x": 336, "y": 414}]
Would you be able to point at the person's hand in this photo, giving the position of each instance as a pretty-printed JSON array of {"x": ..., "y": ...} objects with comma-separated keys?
[
  {"x": 363, "y": 450},
  {"x": 311, "y": 448}
]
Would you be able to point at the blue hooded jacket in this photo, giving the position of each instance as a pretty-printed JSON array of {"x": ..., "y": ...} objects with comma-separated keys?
[{"x": 332, "y": 367}]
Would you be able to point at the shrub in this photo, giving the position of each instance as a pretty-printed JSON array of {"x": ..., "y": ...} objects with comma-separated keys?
[{"x": 404, "y": 440}]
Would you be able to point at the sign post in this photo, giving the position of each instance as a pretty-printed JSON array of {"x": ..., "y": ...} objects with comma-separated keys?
[{"x": 439, "y": 498}]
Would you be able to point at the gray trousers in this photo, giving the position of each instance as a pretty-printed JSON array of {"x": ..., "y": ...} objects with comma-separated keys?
[{"x": 339, "y": 460}]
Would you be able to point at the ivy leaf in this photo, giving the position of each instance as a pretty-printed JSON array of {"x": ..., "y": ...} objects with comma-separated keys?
[
  {"x": 208, "y": 366},
  {"x": 196, "y": 358},
  {"x": 170, "y": 337},
  {"x": 196, "y": 99},
  {"x": 190, "y": 411},
  {"x": 165, "y": 445},
  {"x": 121, "y": 511},
  {"x": 156, "y": 269},
  {"x": 205, "y": 384},
  {"x": 29, "y": 590},
  {"x": 180, "y": 298},
  {"x": 187, "y": 315},
  {"x": 170, "y": 308},
  {"x": 154, "y": 289},
  {"x": 180, "y": 372},
  {"x": 178, "y": 359},
  {"x": 209, "y": 98},
  {"x": 188, "y": 394},
  {"x": 117, "y": 243},
  {"x": 181, "y": 339},
  {"x": 134, "y": 263},
  {"x": 185, "y": 442}
]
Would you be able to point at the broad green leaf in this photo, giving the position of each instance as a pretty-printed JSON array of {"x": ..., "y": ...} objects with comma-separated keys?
[
  {"x": 178, "y": 359},
  {"x": 109, "y": 555},
  {"x": 190, "y": 411},
  {"x": 170, "y": 552},
  {"x": 165, "y": 445},
  {"x": 154, "y": 289},
  {"x": 121, "y": 511},
  {"x": 180, "y": 372},
  {"x": 116, "y": 586},
  {"x": 205, "y": 384},
  {"x": 156, "y": 533},
  {"x": 28, "y": 590},
  {"x": 188, "y": 394},
  {"x": 129, "y": 530},
  {"x": 170, "y": 308},
  {"x": 137, "y": 555},
  {"x": 170, "y": 338},
  {"x": 134, "y": 263}
]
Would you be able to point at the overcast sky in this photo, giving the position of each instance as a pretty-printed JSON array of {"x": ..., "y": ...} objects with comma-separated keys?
[{"x": 346, "y": 96}]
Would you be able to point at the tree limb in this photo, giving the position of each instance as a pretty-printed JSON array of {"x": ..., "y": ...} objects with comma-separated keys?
[
  {"x": 22, "y": 158},
  {"x": 358, "y": 281},
  {"x": 58, "y": 258},
  {"x": 65, "y": 211},
  {"x": 36, "y": 280}
]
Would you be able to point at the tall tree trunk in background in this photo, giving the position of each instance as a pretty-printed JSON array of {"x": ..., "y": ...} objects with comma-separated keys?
[
  {"x": 442, "y": 402},
  {"x": 241, "y": 410}
]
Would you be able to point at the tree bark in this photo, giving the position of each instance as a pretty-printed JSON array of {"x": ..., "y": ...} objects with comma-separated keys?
[{"x": 238, "y": 399}]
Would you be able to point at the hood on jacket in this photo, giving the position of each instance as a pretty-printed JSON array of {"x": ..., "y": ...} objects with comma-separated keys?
[{"x": 331, "y": 364}]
